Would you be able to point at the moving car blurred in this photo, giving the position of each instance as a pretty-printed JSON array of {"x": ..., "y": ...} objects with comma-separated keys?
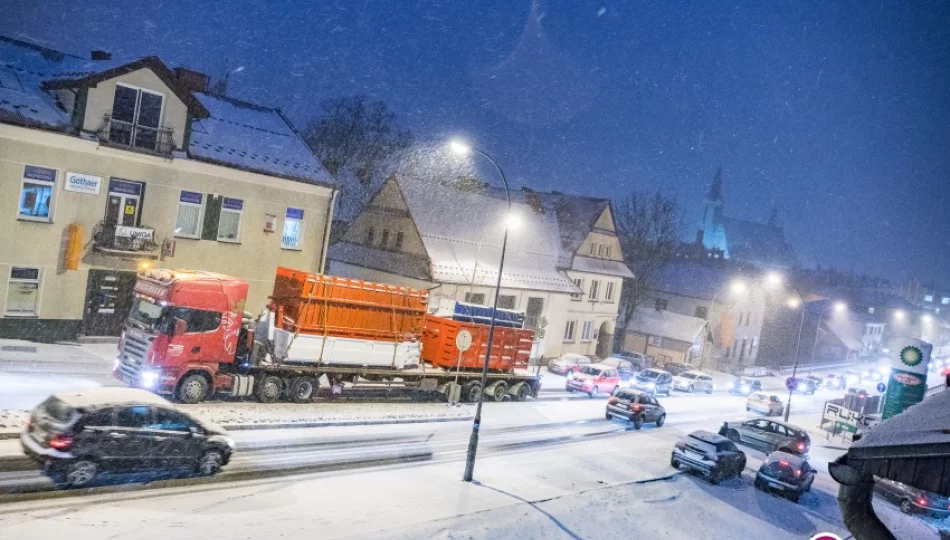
[
  {"x": 767, "y": 404},
  {"x": 912, "y": 500},
  {"x": 624, "y": 367},
  {"x": 639, "y": 361},
  {"x": 593, "y": 379},
  {"x": 817, "y": 380},
  {"x": 636, "y": 407},
  {"x": 871, "y": 374},
  {"x": 675, "y": 368},
  {"x": 745, "y": 386},
  {"x": 804, "y": 386},
  {"x": 852, "y": 377},
  {"x": 654, "y": 381},
  {"x": 768, "y": 436},
  {"x": 75, "y": 436},
  {"x": 692, "y": 381},
  {"x": 715, "y": 456},
  {"x": 787, "y": 473},
  {"x": 568, "y": 363}
]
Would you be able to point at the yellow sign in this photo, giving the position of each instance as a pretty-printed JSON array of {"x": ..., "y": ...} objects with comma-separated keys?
[{"x": 129, "y": 209}]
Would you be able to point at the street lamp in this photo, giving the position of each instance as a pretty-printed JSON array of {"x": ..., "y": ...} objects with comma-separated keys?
[
  {"x": 899, "y": 315},
  {"x": 462, "y": 148}
]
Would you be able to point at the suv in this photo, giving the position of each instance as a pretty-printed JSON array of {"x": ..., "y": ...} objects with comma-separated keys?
[
  {"x": 654, "y": 381},
  {"x": 691, "y": 381},
  {"x": 636, "y": 407},
  {"x": 767, "y": 404},
  {"x": 675, "y": 368},
  {"x": 568, "y": 363},
  {"x": 715, "y": 456},
  {"x": 786, "y": 473},
  {"x": 639, "y": 361},
  {"x": 594, "y": 379},
  {"x": 768, "y": 436},
  {"x": 624, "y": 367},
  {"x": 76, "y": 435}
]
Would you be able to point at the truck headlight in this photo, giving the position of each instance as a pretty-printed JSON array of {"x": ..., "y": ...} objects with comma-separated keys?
[{"x": 148, "y": 379}]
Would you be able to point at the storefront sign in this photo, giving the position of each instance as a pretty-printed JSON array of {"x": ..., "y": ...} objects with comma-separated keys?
[
  {"x": 39, "y": 173},
  {"x": 122, "y": 231},
  {"x": 125, "y": 187},
  {"x": 844, "y": 416},
  {"x": 190, "y": 197},
  {"x": 232, "y": 204},
  {"x": 294, "y": 213},
  {"x": 908, "y": 381},
  {"x": 83, "y": 183}
]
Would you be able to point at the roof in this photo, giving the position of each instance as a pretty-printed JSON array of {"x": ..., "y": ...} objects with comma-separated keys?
[
  {"x": 601, "y": 266},
  {"x": 848, "y": 331},
  {"x": 759, "y": 242},
  {"x": 462, "y": 233},
  {"x": 666, "y": 324},
  {"x": 692, "y": 279},
  {"x": 576, "y": 216},
  {"x": 110, "y": 396},
  {"x": 394, "y": 262}
]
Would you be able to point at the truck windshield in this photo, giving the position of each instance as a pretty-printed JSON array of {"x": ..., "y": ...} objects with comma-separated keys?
[{"x": 146, "y": 313}]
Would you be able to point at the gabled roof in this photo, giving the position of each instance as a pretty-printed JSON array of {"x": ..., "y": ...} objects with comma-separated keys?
[
  {"x": 758, "y": 242},
  {"x": 576, "y": 216},
  {"x": 394, "y": 262},
  {"x": 666, "y": 324},
  {"x": 692, "y": 279}
]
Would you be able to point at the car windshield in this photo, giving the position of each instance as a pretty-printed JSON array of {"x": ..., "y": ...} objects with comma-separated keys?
[
  {"x": 591, "y": 370},
  {"x": 650, "y": 374}
]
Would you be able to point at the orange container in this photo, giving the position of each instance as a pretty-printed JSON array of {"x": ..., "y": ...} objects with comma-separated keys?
[
  {"x": 319, "y": 304},
  {"x": 511, "y": 347}
]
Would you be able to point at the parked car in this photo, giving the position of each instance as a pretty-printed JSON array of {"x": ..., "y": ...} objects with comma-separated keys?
[
  {"x": 714, "y": 456},
  {"x": 767, "y": 404},
  {"x": 768, "y": 436},
  {"x": 693, "y": 381},
  {"x": 745, "y": 386},
  {"x": 75, "y": 436},
  {"x": 912, "y": 500},
  {"x": 654, "y": 381},
  {"x": 639, "y": 361},
  {"x": 594, "y": 379},
  {"x": 787, "y": 473},
  {"x": 675, "y": 368},
  {"x": 804, "y": 386},
  {"x": 568, "y": 363},
  {"x": 637, "y": 407},
  {"x": 624, "y": 367}
]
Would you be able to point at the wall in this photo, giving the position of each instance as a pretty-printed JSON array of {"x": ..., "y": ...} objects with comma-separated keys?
[
  {"x": 676, "y": 351},
  {"x": 42, "y": 244},
  {"x": 582, "y": 309}
]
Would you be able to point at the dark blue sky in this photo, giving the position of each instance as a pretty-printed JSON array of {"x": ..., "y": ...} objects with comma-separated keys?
[{"x": 839, "y": 112}]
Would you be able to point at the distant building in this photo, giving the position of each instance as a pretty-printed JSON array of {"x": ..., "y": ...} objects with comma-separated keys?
[
  {"x": 760, "y": 244},
  {"x": 563, "y": 265},
  {"x": 115, "y": 163}
]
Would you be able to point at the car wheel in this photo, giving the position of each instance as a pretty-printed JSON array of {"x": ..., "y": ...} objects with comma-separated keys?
[
  {"x": 638, "y": 421},
  {"x": 80, "y": 473},
  {"x": 192, "y": 389},
  {"x": 906, "y": 506},
  {"x": 690, "y": 389},
  {"x": 209, "y": 464},
  {"x": 594, "y": 392},
  {"x": 759, "y": 484},
  {"x": 673, "y": 463},
  {"x": 794, "y": 497},
  {"x": 303, "y": 389},
  {"x": 609, "y": 416},
  {"x": 569, "y": 389},
  {"x": 732, "y": 435},
  {"x": 661, "y": 420},
  {"x": 714, "y": 478},
  {"x": 709, "y": 390},
  {"x": 269, "y": 389}
]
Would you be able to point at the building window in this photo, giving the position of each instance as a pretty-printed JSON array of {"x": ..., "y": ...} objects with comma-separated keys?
[
  {"x": 229, "y": 222},
  {"x": 587, "y": 330},
  {"x": 475, "y": 298},
  {"x": 871, "y": 310},
  {"x": 748, "y": 318},
  {"x": 569, "y": 329},
  {"x": 701, "y": 312},
  {"x": 607, "y": 252},
  {"x": 188, "y": 223},
  {"x": 579, "y": 283},
  {"x": 735, "y": 347},
  {"x": 370, "y": 236},
  {"x": 594, "y": 289},
  {"x": 36, "y": 194},
  {"x": 399, "y": 238},
  {"x": 593, "y": 248},
  {"x": 600, "y": 250},
  {"x": 384, "y": 240},
  {"x": 945, "y": 300},
  {"x": 660, "y": 304},
  {"x": 609, "y": 292},
  {"x": 136, "y": 117},
  {"x": 532, "y": 313},
  {"x": 506, "y": 301},
  {"x": 929, "y": 298},
  {"x": 293, "y": 229},
  {"x": 23, "y": 292}
]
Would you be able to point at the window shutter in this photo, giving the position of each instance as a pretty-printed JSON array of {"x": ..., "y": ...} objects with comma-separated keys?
[{"x": 212, "y": 214}]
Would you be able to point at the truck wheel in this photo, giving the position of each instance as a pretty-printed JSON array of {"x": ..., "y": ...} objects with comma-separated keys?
[
  {"x": 470, "y": 392},
  {"x": 269, "y": 389},
  {"x": 522, "y": 393},
  {"x": 303, "y": 389},
  {"x": 193, "y": 389},
  {"x": 498, "y": 392}
]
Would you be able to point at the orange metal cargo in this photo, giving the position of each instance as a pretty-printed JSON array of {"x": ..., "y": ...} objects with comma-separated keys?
[
  {"x": 511, "y": 347},
  {"x": 319, "y": 304}
]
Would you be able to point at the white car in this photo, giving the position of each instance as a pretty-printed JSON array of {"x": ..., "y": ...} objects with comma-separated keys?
[{"x": 693, "y": 381}]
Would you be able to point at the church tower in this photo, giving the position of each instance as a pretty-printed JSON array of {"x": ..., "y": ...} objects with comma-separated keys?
[{"x": 714, "y": 234}]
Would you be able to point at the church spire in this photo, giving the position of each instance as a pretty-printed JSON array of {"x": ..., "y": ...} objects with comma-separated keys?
[
  {"x": 715, "y": 191},
  {"x": 773, "y": 217}
]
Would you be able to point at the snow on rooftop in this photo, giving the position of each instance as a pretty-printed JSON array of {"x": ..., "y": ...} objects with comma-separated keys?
[
  {"x": 666, "y": 324},
  {"x": 926, "y": 423}
]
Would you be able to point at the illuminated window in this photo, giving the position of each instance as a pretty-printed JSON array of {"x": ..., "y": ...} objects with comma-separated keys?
[
  {"x": 293, "y": 229},
  {"x": 36, "y": 194}
]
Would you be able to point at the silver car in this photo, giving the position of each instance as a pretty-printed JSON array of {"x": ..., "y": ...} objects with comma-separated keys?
[
  {"x": 693, "y": 381},
  {"x": 768, "y": 436}
]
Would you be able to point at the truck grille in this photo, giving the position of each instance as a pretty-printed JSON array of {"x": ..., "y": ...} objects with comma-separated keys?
[{"x": 134, "y": 353}]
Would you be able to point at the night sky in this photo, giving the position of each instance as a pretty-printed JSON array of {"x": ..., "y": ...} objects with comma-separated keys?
[{"x": 838, "y": 112}]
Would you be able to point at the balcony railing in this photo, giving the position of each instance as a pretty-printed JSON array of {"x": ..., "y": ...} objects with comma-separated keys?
[
  {"x": 150, "y": 139},
  {"x": 113, "y": 239}
]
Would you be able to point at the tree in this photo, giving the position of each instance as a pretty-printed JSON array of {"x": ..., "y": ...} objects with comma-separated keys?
[
  {"x": 649, "y": 227},
  {"x": 356, "y": 135}
]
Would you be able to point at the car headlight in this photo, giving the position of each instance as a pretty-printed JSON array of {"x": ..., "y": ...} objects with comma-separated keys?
[
  {"x": 148, "y": 379},
  {"x": 802, "y": 387},
  {"x": 852, "y": 379},
  {"x": 745, "y": 388}
]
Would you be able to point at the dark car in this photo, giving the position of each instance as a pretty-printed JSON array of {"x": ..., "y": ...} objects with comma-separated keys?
[
  {"x": 624, "y": 367},
  {"x": 768, "y": 436},
  {"x": 817, "y": 380},
  {"x": 714, "y": 456},
  {"x": 745, "y": 386},
  {"x": 805, "y": 386},
  {"x": 786, "y": 473},
  {"x": 654, "y": 381},
  {"x": 639, "y": 361},
  {"x": 637, "y": 407},
  {"x": 912, "y": 500},
  {"x": 675, "y": 368},
  {"x": 75, "y": 436}
]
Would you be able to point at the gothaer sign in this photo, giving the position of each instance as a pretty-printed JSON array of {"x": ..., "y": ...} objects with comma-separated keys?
[{"x": 908, "y": 381}]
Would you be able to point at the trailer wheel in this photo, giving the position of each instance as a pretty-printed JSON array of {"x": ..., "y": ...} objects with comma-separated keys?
[
  {"x": 471, "y": 392},
  {"x": 303, "y": 389},
  {"x": 498, "y": 391},
  {"x": 522, "y": 393},
  {"x": 269, "y": 389},
  {"x": 192, "y": 389}
]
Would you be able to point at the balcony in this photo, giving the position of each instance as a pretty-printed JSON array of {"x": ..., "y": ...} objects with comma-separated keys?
[
  {"x": 122, "y": 241},
  {"x": 154, "y": 140}
]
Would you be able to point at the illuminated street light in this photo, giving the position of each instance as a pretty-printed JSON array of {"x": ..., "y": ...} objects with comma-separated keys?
[
  {"x": 840, "y": 306},
  {"x": 794, "y": 303},
  {"x": 926, "y": 318},
  {"x": 460, "y": 147},
  {"x": 513, "y": 221},
  {"x": 899, "y": 314},
  {"x": 774, "y": 279},
  {"x": 738, "y": 287}
]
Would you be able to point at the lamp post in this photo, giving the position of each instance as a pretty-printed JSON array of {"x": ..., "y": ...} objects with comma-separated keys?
[
  {"x": 799, "y": 302},
  {"x": 463, "y": 149}
]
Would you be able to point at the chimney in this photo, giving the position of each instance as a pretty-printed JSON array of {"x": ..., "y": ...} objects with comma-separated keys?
[
  {"x": 100, "y": 55},
  {"x": 191, "y": 80}
]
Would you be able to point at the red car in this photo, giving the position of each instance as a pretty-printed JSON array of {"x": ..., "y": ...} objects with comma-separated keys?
[{"x": 594, "y": 379}]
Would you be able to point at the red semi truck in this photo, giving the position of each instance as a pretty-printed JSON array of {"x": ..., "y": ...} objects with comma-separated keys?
[{"x": 188, "y": 336}]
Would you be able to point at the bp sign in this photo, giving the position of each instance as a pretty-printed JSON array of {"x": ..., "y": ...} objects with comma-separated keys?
[{"x": 908, "y": 381}]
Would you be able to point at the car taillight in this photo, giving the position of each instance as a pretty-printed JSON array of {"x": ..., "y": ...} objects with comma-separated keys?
[
  {"x": 798, "y": 472},
  {"x": 61, "y": 442},
  {"x": 802, "y": 446},
  {"x": 921, "y": 501}
]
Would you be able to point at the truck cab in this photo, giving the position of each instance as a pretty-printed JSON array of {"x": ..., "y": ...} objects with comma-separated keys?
[{"x": 182, "y": 327}]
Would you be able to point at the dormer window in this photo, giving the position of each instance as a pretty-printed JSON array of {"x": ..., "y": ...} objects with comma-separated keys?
[{"x": 136, "y": 118}]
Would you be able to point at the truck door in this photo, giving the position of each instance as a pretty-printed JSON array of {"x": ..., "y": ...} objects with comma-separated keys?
[{"x": 202, "y": 338}]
